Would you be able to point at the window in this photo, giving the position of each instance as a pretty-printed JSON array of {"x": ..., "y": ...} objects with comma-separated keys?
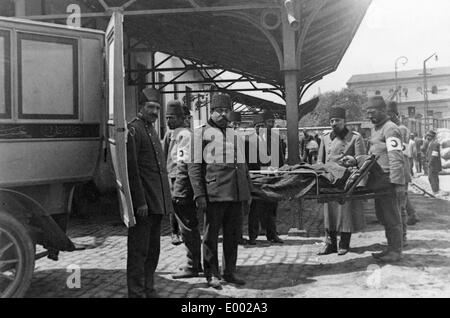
[
  {"x": 47, "y": 76},
  {"x": 5, "y": 75}
]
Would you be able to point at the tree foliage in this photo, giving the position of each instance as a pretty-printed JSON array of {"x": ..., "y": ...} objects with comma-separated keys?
[{"x": 352, "y": 101}]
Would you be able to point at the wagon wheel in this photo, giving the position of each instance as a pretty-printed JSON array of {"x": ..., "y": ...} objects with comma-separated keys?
[{"x": 16, "y": 257}]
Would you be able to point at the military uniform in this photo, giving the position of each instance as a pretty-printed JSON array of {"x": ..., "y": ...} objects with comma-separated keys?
[
  {"x": 434, "y": 164},
  {"x": 177, "y": 142},
  {"x": 386, "y": 142},
  {"x": 347, "y": 218},
  {"x": 149, "y": 186},
  {"x": 226, "y": 186},
  {"x": 264, "y": 212}
]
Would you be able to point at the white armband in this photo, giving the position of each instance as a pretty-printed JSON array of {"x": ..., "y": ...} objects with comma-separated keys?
[
  {"x": 394, "y": 143},
  {"x": 435, "y": 154}
]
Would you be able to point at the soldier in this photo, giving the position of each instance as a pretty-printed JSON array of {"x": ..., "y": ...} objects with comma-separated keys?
[
  {"x": 175, "y": 121},
  {"x": 347, "y": 218},
  {"x": 386, "y": 143},
  {"x": 265, "y": 211},
  {"x": 434, "y": 163},
  {"x": 182, "y": 196},
  {"x": 150, "y": 193},
  {"x": 220, "y": 189},
  {"x": 407, "y": 210}
]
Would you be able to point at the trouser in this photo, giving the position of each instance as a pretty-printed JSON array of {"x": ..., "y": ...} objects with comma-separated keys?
[
  {"x": 411, "y": 165},
  {"x": 418, "y": 164},
  {"x": 264, "y": 212},
  {"x": 433, "y": 177},
  {"x": 388, "y": 214},
  {"x": 186, "y": 215},
  {"x": 410, "y": 210},
  {"x": 228, "y": 216},
  {"x": 402, "y": 202},
  {"x": 425, "y": 167},
  {"x": 143, "y": 255},
  {"x": 174, "y": 226}
]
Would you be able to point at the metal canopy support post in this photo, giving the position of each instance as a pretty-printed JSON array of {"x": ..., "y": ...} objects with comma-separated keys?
[{"x": 290, "y": 69}]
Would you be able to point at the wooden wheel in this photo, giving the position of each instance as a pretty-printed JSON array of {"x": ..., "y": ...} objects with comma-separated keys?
[{"x": 16, "y": 257}]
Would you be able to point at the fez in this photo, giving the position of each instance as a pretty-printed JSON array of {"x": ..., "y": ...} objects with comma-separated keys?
[
  {"x": 268, "y": 115},
  {"x": 258, "y": 119},
  {"x": 220, "y": 100},
  {"x": 152, "y": 95},
  {"x": 174, "y": 108},
  {"x": 337, "y": 112},
  {"x": 431, "y": 133},
  {"x": 376, "y": 102},
  {"x": 392, "y": 107},
  {"x": 235, "y": 116},
  {"x": 186, "y": 111}
]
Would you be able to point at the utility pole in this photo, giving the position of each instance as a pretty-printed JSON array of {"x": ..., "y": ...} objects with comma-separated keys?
[{"x": 425, "y": 89}]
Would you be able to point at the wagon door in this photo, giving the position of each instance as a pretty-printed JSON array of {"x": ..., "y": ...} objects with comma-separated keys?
[{"x": 117, "y": 126}]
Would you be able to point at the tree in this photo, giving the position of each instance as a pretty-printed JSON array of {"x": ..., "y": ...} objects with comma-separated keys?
[{"x": 352, "y": 101}]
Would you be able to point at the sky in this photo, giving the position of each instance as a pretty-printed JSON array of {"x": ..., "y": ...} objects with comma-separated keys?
[{"x": 391, "y": 29}]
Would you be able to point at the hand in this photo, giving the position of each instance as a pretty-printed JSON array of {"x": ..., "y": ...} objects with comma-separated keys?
[
  {"x": 200, "y": 202},
  {"x": 142, "y": 211}
]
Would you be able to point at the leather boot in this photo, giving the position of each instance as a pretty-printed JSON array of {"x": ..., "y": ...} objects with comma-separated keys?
[
  {"x": 344, "y": 243},
  {"x": 330, "y": 244}
]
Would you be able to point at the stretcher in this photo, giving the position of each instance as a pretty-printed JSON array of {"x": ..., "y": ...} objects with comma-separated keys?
[{"x": 351, "y": 191}]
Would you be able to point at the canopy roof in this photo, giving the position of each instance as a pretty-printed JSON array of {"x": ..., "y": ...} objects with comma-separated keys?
[
  {"x": 242, "y": 36},
  {"x": 236, "y": 41}
]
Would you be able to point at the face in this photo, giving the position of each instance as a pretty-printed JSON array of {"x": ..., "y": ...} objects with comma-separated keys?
[
  {"x": 338, "y": 124},
  {"x": 174, "y": 122},
  {"x": 150, "y": 112},
  {"x": 394, "y": 118},
  {"x": 270, "y": 123},
  {"x": 375, "y": 115},
  {"x": 258, "y": 127},
  {"x": 429, "y": 138},
  {"x": 220, "y": 116},
  {"x": 187, "y": 121}
]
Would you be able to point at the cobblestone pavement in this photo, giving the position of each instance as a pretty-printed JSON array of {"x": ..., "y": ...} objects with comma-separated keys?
[
  {"x": 444, "y": 183},
  {"x": 282, "y": 270}
]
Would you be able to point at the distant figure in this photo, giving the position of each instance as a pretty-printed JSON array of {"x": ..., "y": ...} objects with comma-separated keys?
[
  {"x": 418, "y": 159},
  {"x": 434, "y": 163}
]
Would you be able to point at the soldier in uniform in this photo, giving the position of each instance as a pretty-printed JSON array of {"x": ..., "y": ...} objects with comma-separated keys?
[
  {"x": 434, "y": 162},
  {"x": 407, "y": 210},
  {"x": 265, "y": 211},
  {"x": 150, "y": 194},
  {"x": 221, "y": 185},
  {"x": 175, "y": 122},
  {"x": 386, "y": 143},
  {"x": 347, "y": 218},
  {"x": 176, "y": 148}
]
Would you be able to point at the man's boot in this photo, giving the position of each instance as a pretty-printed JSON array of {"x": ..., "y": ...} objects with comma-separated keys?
[
  {"x": 330, "y": 244},
  {"x": 344, "y": 243}
]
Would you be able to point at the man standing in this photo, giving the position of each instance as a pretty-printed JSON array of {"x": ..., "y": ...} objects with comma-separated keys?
[
  {"x": 150, "y": 194},
  {"x": 407, "y": 210},
  {"x": 412, "y": 153},
  {"x": 434, "y": 162},
  {"x": 175, "y": 122},
  {"x": 221, "y": 185},
  {"x": 266, "y": 210},
  {"x": 386, "y": 143},
  {"x": 347, "y": 218},
  {"x": 175, "y": 148},
  {"x": 419, "y": 158}
]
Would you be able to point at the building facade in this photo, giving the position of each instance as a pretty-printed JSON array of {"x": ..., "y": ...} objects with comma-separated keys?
[{"x": 410, "y": 93}]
